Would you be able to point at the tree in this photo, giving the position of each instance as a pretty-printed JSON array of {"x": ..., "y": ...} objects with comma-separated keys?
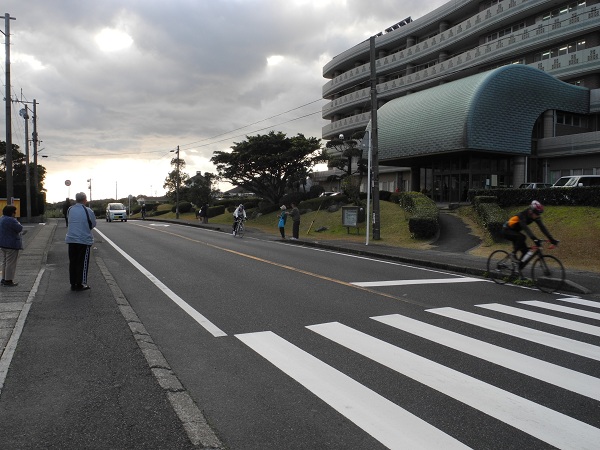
[
  {"x": 200, "y": 189},
  {"x": 176, "y": 178},
  {"x": 265, "y": 164},
  {"x": 346, "y": 155},
  {"x": 19, "y": 180}
]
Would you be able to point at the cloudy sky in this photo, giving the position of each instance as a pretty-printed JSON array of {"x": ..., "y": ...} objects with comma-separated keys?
[{"x": 121, "y": 83}]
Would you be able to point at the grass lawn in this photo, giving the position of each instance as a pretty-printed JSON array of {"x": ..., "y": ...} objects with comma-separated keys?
[{"x": 577, "y": 227}]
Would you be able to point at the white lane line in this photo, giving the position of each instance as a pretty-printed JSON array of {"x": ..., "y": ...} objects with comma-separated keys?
[
  {"x": 539, "y": 337},
  {"x": 580, "y": 301},
  {"x": 409, "y": 282},
  {"x": 563, "y": 309},
  {"x": 203, "y": 321},
  {"x": 543, "y": 318},
  {"x": 539, "y": 421},
  {"x": 11, "y": 345},
  {"x": 390, "y": 424},
  {"x": 562, "y": 377}
]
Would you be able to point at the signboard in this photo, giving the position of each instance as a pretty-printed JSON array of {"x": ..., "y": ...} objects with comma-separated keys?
[
  {"x": 67, "y": 182},
  {"x": 16, "y": 202},
  {"x": 352, "y": 216}
]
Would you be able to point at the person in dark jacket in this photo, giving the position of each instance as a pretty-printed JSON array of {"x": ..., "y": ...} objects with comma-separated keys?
[
  {"x": 65, "y": 208},
  {"x": 295, "y": 215},
  {"x": 514, "y": 228},
  {"x": 10, "y": 243}
]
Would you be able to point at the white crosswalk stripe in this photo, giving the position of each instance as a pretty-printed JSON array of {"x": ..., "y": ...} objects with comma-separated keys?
[
  {"x": 544, "y": 318},
  {"x": 376, "y": 415},
  {"x": 563, "y": 309},
  {"x": 396, "y": 427},
  {"x": 539, "y": 337},
  {"x": 542, "y": 370}
]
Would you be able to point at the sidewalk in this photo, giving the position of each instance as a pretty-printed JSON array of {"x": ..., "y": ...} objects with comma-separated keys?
[
  {"x": 86, "y": 374},
  {"x": 78, "y": 370}
]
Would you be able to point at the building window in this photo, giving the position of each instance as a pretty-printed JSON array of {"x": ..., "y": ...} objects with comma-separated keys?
[
  {"x": 563, "y": 49},
  {"x": 505, "y": 32},
  {"x": 573, "y": 120}
]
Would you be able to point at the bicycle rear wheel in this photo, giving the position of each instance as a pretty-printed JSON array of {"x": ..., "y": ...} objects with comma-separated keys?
[
  {"x": 500, "y": 266},
  {"x": 548, "y": 273}
]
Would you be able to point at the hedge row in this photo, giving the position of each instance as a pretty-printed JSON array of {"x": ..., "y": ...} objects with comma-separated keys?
[
  {"x": 424, "y": 220},
  {"x": 492, "y": 216},
  {"x": 575, "y": 196}
]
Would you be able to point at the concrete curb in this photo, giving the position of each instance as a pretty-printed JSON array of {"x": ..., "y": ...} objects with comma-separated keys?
[{"x": 197, "y": 428}]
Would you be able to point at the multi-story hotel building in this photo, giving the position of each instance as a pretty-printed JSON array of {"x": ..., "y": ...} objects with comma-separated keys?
[{"x": 476, "y": 94}]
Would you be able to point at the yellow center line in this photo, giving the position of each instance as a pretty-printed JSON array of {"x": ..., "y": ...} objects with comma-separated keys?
[{"x": 293, "y": 269}]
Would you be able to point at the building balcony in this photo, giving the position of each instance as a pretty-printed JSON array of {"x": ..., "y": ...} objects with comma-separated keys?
[{"x": 540, "y": 35}]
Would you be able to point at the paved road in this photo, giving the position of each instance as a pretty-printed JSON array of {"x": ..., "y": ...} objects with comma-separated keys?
[{"x": 82, "y": 377}]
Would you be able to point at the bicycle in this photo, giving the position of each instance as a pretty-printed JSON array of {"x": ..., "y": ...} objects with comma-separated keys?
[
  {"x": 240, "y": 228},
  {"x": 547, "y": 272}
]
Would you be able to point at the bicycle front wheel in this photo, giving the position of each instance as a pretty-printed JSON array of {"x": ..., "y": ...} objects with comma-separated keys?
[
  {"x": 500, "y": 266},
  {"x": 241, "y": 229},
  {"x": 548, "y": 273}
]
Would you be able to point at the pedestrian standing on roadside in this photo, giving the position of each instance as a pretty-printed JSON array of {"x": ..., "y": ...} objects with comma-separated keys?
[
  {"x": 65, "y": 208},
  {"x": 295, "y": 214},
  {"x": 80, "y": 239},
  {"x": 282, "y": 219},
  {"x": 10, "y": 243}
]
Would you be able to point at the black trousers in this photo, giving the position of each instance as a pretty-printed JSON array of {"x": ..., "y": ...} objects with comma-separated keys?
[
  {"x": 517, "y": 238},
  {"x": 79, "y": 258},
  {"x": 296, "y": 229}
]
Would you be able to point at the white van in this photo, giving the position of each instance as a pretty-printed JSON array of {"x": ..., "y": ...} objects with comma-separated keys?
[
  {"x": 578, "y": 180},
  {"x": 116, "y": 211}
]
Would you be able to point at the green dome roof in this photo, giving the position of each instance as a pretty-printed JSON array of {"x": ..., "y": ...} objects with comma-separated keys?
[{"x": 493, "y": 111}]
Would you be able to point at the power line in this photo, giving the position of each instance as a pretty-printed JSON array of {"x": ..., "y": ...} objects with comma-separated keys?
[{"x": 254, "y": 123}]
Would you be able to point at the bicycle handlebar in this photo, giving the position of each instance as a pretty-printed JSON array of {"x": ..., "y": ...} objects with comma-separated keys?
[{"x": 550, "y": 247}]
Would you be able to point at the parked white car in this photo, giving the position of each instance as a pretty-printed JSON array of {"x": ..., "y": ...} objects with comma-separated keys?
[
  {"x": 116, "y": 211},
  {"x": 578, "y": 180}
]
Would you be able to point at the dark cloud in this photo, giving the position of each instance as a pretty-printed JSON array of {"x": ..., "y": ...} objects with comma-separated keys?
[{"x": 195, "y": 72}]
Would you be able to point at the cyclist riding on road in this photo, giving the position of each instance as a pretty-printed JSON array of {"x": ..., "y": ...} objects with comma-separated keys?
[
  {"x": 512, "y": 229},
  {"x": 239, "y": 214}
]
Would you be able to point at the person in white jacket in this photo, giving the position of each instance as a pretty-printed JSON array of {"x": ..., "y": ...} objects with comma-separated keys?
[
  {"x": 81, "y": 220},
  {"x": 239, "y": 214}
]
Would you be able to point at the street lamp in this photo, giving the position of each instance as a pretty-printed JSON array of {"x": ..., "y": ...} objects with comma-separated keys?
[{"x": 90, "y": 188}]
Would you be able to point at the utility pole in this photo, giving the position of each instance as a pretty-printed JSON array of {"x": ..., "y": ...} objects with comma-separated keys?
[
  {"x": 34, "y": 137},
  {"x": 374, "y": 144},
  {"x": 7, "y": 99}
]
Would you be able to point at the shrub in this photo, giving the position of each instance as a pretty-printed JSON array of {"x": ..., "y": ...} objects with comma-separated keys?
[
  {"x": 184, "y": 207},
  {"x": 315, "y": 191},
  {"x": 216, "y": 210},
  {"x": 314, "y": 204},
  {"x": 293, "y": 197},
  {"x": 492, "y": 217},
  {"x": 385, "y": 196},
  {"x": 424, "y": 220}
]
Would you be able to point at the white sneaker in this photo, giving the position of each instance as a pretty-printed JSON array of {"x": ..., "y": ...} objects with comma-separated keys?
[{"x": 233, "y": 233}]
